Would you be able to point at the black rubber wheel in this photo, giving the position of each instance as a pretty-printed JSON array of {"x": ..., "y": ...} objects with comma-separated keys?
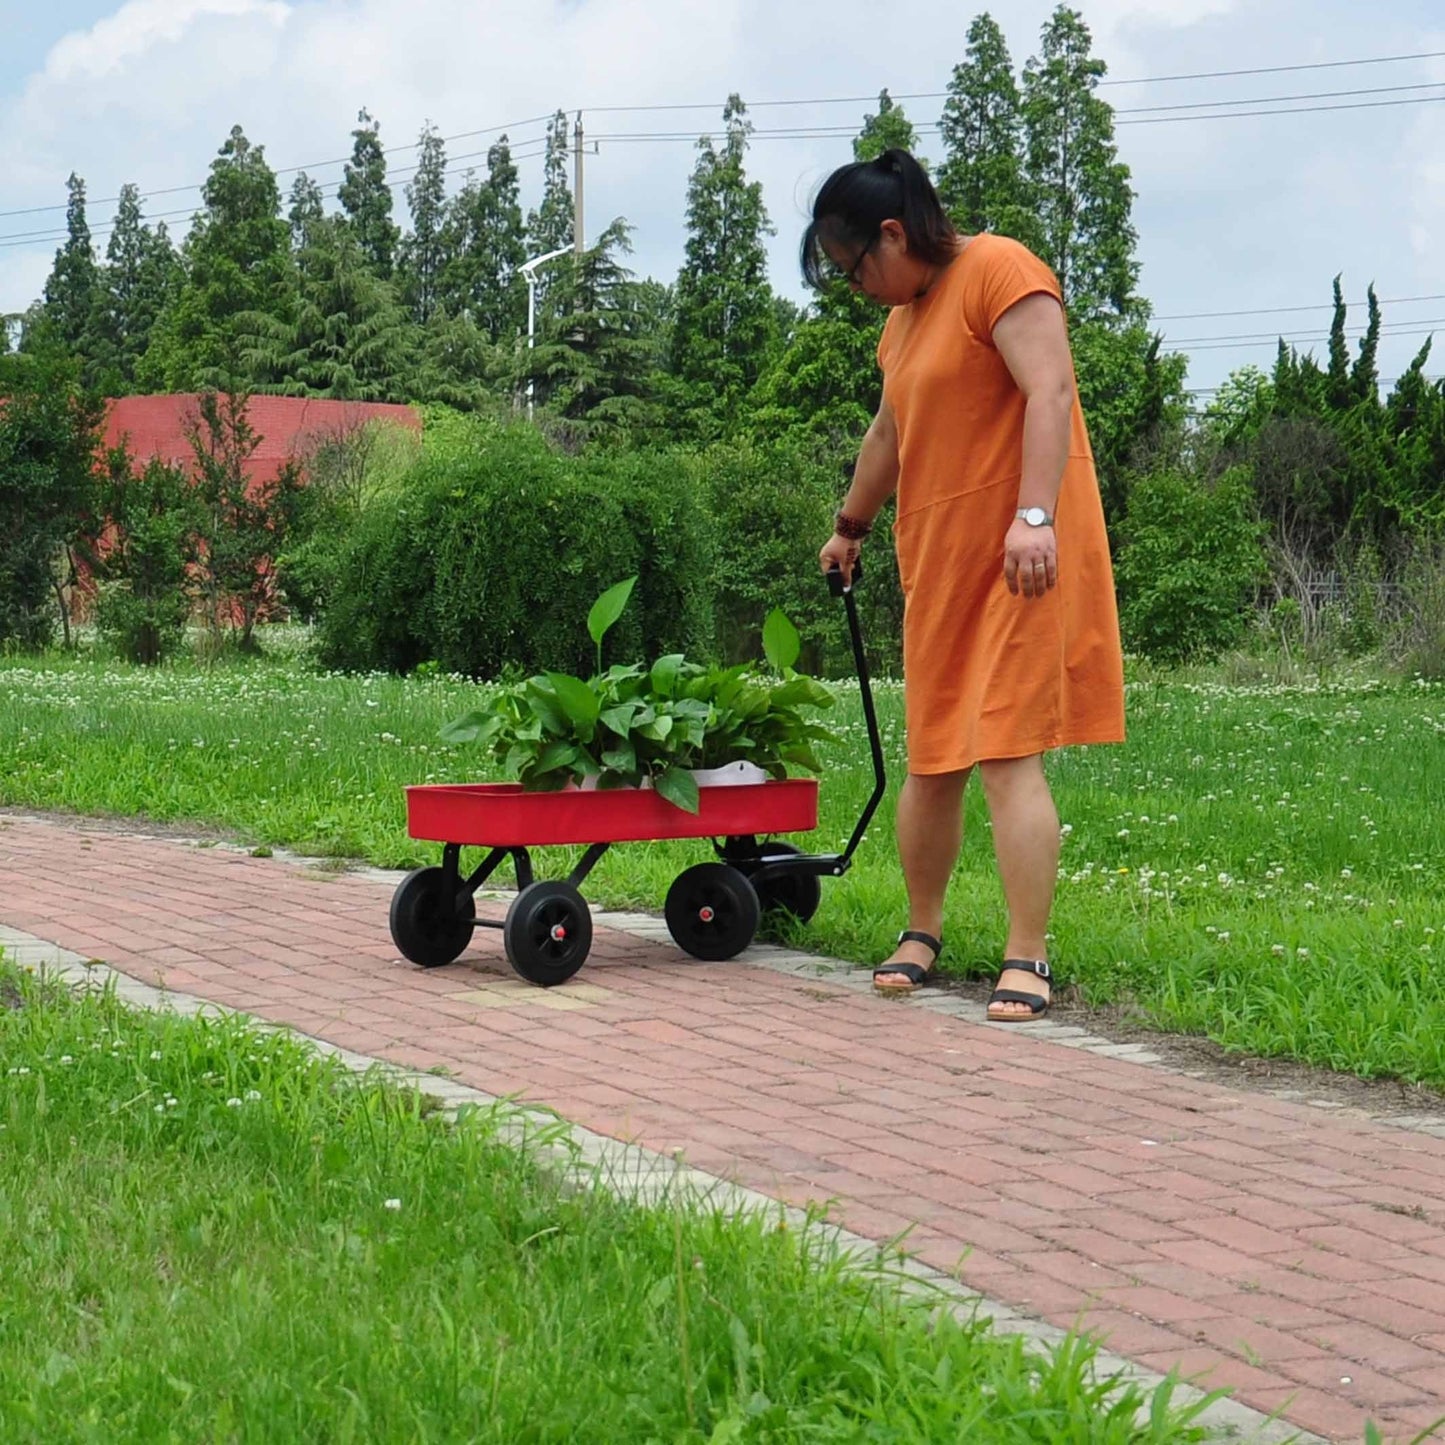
[
  {"x": 712, "y": 911},
  {"x": 798, "y": 894},
  {"x": 548, "y": 933},
  {"x": 429, "y": 926}
]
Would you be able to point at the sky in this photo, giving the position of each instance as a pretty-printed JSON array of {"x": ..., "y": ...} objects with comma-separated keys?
[{"x": 1235, "y": 214}]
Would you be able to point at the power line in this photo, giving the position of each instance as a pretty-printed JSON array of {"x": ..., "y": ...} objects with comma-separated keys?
[
  {"x": 1311, "y": 335},
  {"x": 1281, "y": 99},
  {"x": 1294, "y": 345},
  {"x": 836, "y": 100},
  {"x": 313, "y": 166},
  {"x": 328, "y": 192},
  {"x": 1277, "y": 310}
]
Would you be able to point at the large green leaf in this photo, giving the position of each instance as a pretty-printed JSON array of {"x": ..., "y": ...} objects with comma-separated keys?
[
  {"x": 664, "y": 674},
  {"x": 679, "y": 787},
  {"x": 802, "y": 691},
  {"x": 620, "y": 718},
  {"x": 658, "y": 729},
  {"x": 547, "y": 707},
  {"x": 556, "y": 754},
  {"x": 608, "y": 608},
  {"x": 578, "y": 701},
  {"x": 781, "y": 643},
  {"x": 467, "y": 728}
]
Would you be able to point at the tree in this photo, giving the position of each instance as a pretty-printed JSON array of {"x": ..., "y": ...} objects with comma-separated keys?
[
  {"x": 890, "y": 129},
  {"x": 552, "y": 225},
  {"x": 306, "y": 209},
  {"x": 142, "y": 277},
  {"x": 981, "y": 182},
  {"x": 238, "y": 262},
  {"x": 348, "y": 338},
  {"x": 140, "y": 546},
  {"x": 366, "y": 198},
  {"x": 72, "y": 292},
  {"x": 422, "y": 253},
  {"x": 244, "y": 520},
  {"x": 1076, "y": 182},
  {"x": 483, "y": 246},
  {"x": 723, "y": 329},
  {"x": 594, "y": 358},
  {"x": 49, "y": 434}
]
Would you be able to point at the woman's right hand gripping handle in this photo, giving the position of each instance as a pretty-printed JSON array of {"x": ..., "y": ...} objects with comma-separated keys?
[{"x": 841, "y": 553}]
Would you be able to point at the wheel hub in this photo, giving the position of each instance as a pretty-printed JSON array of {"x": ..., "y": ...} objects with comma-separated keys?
[{"x": 706, "y": 914}]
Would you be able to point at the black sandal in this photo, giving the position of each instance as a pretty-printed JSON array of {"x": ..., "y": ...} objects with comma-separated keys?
[
  {"x": 1038, "y": 1005},
  {"x": 915, "y": 975}
]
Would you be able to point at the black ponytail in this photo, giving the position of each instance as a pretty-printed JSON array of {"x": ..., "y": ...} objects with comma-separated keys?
[{"x": 856, "y": 199}]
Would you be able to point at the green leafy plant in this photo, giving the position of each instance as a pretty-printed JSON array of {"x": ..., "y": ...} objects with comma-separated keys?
[{"x": 634, "y": 724}]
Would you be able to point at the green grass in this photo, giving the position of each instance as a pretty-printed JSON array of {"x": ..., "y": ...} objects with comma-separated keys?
[
  {"x": 211, "y": 1234},
  {"x": 1264, "y": 864}
]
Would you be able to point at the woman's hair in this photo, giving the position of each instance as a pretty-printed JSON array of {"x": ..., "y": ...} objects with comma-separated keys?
[{"x": 856, "y": 199}]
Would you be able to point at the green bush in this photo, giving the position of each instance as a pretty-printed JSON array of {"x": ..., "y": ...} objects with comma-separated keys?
[
  {"x": 490, "y": 554},
  {"x": 773, "y": 507},
  {"x": 1190, "y": 559}
]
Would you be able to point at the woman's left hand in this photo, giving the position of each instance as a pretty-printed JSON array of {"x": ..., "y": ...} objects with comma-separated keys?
[{"x": 1030, "y": 559}]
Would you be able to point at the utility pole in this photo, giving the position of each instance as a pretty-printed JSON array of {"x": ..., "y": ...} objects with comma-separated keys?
[{"x": 577, "y": 186}]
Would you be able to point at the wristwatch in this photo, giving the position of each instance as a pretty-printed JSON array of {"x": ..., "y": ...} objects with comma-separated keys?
[{"x": 1034, "y": 516}]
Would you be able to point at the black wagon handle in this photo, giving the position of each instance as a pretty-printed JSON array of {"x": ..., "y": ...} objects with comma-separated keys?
[{"x": 838, "y": 588}]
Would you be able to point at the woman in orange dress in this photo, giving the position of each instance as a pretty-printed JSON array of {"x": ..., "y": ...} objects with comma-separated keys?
[{"x": 1010, "y": 632}]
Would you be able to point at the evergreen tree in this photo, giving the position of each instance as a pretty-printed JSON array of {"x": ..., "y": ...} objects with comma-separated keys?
[
  {"x": 483, "y": 247},
  {"x": 981, "y": 183},
  {"x": 72, "y": 292},
  {"x": 142, "y": 277},
  {"x": 238, "y": 262},
  {"x": 593, "y": 360},
  {"x": 890, "y": 129},
  {"x": 306, "y": 208},
  {"x": 1079, "y": 187},
  {"x": 723, "y": 328},
  {"x": 348, "y": 338},
  {"x": 551, "y": 225},
  {"x": 366, "y": 198},
  {"x": 422, "y": 252}
]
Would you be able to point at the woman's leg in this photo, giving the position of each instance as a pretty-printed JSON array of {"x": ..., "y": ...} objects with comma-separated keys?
[
  {"x": 930, "y": 833},
  {"x": 1026, "y": 844}
]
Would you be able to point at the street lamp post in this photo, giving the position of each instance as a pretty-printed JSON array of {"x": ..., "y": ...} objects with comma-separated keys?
[{"x": 529, "y": 271}]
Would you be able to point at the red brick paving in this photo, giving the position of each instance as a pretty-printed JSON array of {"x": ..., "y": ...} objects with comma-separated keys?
[{"x": 1252, "y": 1240}]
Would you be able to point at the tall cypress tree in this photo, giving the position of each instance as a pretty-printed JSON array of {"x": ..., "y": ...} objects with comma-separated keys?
[
  {"x": 484, "y": 247},
  {"x": 890, "y": 129},
  {"x": 421, "y": 252},
  {"x": 238, "y": 261},
  {"x": 72, "y": 291},
  {"x": 366, "y": 198},
  {"x": 1079, "y": 187},
  {"x": 552, "y": 225},
  {"x": 306, "y": 208},
  {"x": 981, "y": 183},
  {"x": 724, "y": 318},
  {"x": 142, "y": 276}
]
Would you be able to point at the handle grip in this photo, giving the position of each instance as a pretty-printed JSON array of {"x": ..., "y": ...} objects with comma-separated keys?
[{"x": 835, "y": 577}]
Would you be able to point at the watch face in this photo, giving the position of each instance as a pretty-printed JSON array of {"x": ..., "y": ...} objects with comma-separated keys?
[{"x": 1035, "y": 516}]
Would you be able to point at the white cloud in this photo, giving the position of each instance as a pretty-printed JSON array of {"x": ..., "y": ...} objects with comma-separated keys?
[
  {"x": 1231, "y": 214},
  {"x": 108, "y": 46}
]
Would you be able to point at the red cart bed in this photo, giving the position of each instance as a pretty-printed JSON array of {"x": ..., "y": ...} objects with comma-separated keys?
[{"x": 504, "y": 815}]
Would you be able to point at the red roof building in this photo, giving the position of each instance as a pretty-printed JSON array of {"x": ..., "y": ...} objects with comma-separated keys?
[{"x": 288, "y": 426}]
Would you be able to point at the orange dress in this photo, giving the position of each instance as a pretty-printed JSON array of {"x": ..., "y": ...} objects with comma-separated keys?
[{"x": 988, "y": 674}]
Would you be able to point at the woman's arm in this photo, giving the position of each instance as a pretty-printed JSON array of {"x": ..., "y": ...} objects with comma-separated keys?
[
  {"x": 1034, "y": 342},
  {"x": 875, "y": 477}
]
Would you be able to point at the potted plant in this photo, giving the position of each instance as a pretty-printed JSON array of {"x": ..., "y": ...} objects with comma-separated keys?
[{"x": 660, "y": 726}]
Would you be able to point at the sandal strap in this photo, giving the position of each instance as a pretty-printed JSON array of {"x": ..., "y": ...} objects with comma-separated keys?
[
  {"x": 911, "y": 971},
  {"x": 914, "y": 935},
  {"x": 1036, "y": 1003},
  {"x": 1035, "y": 966}
]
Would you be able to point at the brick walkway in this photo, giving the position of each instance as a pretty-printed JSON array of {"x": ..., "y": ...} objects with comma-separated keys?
[{"x": 1297, "y": 1256}]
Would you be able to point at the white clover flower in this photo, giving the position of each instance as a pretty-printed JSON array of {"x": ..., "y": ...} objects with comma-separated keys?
[
  {"x": 1277, "y": 949},
  {"x": 392, "y": 1204},
  {"x": 1302, "y": 953},
  {"x": 66, "y": 1059},
  {"x": 155, "y": 1053},
  {"x": 252, "y": 1095},
  {"x": 233, "y": 1103},
  {"x": 1347, "y": 872}
]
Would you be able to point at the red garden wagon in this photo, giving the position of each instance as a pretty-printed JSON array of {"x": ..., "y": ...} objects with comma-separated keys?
[{"x": 712, "y": 909}]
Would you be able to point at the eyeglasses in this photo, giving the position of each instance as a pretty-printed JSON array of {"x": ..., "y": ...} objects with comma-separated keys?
[{"x": 850, "y": 276}]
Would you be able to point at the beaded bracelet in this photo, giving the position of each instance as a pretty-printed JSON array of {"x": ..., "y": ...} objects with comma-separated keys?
[{"x": 851, "y": 528}]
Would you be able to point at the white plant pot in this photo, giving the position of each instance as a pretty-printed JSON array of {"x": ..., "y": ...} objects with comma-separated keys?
[{"x": 729, "y": 775}]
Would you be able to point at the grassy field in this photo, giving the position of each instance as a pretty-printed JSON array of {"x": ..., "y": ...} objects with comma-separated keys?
[
  {"x": 212, "y": 1234},
  {"x": 1261, "y": 864}
]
